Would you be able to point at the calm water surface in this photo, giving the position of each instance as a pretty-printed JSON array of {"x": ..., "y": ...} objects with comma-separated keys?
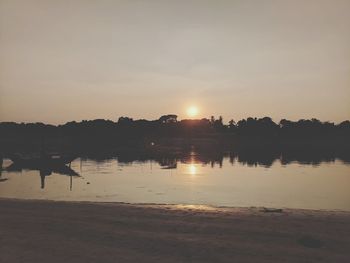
[{"x": 323, "y": 186}]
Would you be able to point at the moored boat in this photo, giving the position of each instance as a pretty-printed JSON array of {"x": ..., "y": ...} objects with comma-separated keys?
[{"x": 42, "y": 160}]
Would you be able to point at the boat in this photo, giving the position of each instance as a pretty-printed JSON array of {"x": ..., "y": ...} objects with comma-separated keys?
[
  {"x": 46, "y": 170},
  {"x": 43, "y": 160}
]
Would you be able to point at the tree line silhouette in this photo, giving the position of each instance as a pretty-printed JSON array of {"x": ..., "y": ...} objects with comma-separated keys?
[{"x": 127, "y": 133}]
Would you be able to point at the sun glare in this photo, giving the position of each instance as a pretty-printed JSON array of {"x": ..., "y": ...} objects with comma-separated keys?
[
  {"x": 192, "y": 111},
  {"x": 192, "y": 169}
]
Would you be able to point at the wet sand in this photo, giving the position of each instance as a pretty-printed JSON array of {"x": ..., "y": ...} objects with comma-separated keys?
[{"x": 48, "y": 231}]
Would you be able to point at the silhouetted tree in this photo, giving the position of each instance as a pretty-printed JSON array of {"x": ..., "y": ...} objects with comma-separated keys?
[
  {"x": 218, "y": 124},
  {"x": 231, "y": 124},
  {"x": 101, "y": 134},
  {"x": 125, "y": 120},
  {"x": 170, "y": 118}
]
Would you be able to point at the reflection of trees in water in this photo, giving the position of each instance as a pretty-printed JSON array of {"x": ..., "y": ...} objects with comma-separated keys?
[
  {"x": 251, "y": 157},
  {"x": 214, "y": 157}
]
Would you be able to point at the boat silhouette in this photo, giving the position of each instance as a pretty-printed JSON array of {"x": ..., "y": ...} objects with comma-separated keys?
[
  {"x": 46, "y": 166},
  {"x": 42, "y": 160}
]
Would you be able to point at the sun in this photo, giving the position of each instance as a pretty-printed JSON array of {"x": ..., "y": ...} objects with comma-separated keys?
[{"x": 192, "y": 111}]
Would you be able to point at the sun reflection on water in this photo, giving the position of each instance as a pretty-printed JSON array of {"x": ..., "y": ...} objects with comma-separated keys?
[{"x": 192, "y": 169}]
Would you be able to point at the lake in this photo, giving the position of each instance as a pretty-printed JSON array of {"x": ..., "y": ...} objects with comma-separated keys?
[{"x": 191, "y": 180}]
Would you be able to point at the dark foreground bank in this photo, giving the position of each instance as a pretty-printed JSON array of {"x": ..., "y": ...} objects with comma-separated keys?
[{"x": 46, "y": 231}]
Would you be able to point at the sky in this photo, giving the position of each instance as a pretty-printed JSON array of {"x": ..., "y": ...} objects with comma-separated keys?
[{"x": 73, "y": 60}]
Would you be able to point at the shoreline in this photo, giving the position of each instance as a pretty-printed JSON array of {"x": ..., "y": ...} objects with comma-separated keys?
[
  {"x": 70, "y": 231},
  {"x": 216, "y": 208}
]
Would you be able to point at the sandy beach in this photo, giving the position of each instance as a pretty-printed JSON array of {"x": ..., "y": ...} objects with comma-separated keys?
[{"x": 48, "y": 231}]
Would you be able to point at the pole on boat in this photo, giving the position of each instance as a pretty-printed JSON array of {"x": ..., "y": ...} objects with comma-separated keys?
[
  {"x": 42, "y": 179},
  {"x": 71, "y": 183},
  {"x": 1, "y": 162}
]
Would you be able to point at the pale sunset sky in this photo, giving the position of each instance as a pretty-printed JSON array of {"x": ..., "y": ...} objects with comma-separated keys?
[{"x": 71, "y": 60}]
